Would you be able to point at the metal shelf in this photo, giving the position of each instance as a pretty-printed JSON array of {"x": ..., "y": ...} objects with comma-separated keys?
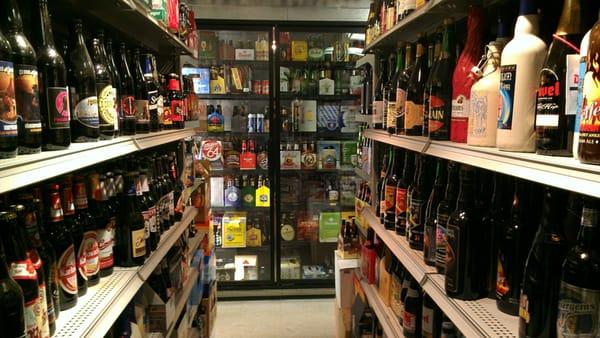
[
  {"x": 479, "y": 318},
  {"x": 387, "y": 318},
  {"x": 101, "y": 306},
  {"x": 28, "y": 169},
  {"x": 560, "y": 172}
]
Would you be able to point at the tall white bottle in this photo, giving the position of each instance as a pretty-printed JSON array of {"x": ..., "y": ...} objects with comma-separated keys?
[
  {"x": 583, "y": 50},
  {"x": 521, "y": 62}
]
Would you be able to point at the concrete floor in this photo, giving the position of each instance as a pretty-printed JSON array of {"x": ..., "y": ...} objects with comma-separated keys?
[{"x": 304, "y": 318}]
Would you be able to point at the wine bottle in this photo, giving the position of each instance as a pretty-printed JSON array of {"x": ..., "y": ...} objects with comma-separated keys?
[
  {"x": 390, "y": 191},
  {"x": 142, "y": 193},
  {"x": 445, "y": 208},
  {"x": 112, "y": 99},
  {"x": 410, "y": 189},
  {"x": 436, "y": 196},
  {"x": 401, "y": 192},
  {"x": 130, "y": 244},
  {"x": 366, "y": 96},
  {"x": 142, "y": 124},
  {"x": 378, "y": 99},
  {"x": 413, "y": 109},
  {"x": 394, "y": 112},
  {"x": 418, "y": 204},
  {"x": 12, "y": 316},
  {"x": 116, "y": 85},
  {"x": 520, "y": 66},
  {"x": 127, "y": 95},
  {"x": 440, "y": 94},
  {"x": 555, "y": 115},
  {"x": 387, "y": 193},
  {"x": 82, "y": 88},
  {"x": 146, "y": 177},
  {"x": 589, "y": 132},
  {"x": 52, "y": 78},
  {"x": 538, "y": 305},
  {"x": 579, "y": 293},
  {"x": 104, "y": 92},
  {"x": 402, "y": 87},
  {"x": 389, "y": 121},
  {"x": 26, "y": 81},
  {"x": 8, "y": 122},
  {"x": 433, "y": 55},
  {"x": 463, "y": 79},
  {"x": 431, "y": 322}
]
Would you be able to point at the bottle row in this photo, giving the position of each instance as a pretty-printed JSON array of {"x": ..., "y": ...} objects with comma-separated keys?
[
  {"x": 240, "y": 191},
  {"x": 178, "y": 17},
  {"x": 518, "y": 96},
  {"x": 385, "y": 14},
  {"x": 240, "y": 230},
  {"x": 308, "y": 117},
  {"x": 319, "y": 48},
  {"x": 320, "y": 81},
  {"x": 230, "y": 79},
  {"x": 53, "y": 95},
  {"x": 320, "y": 191},
  {"x": 61, "y": 238},
  {"x": 496, "y": 236},
  {"x": 241, "y": 119},
  {"x": 235, "y": 153}
]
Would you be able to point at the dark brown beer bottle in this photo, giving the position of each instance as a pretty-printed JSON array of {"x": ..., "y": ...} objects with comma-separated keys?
[
  {"x": 12, "y": 317},
  {"x": 70, "y": 219},
  {"x": 105, "y": 223},
  {"x": 128, "y": 94},
  {"x": 8, "y": 122},
  {"x": 104, "y": 92},
  {"x": 130, "y": 246},
  {"x": 89, "y": 249}
]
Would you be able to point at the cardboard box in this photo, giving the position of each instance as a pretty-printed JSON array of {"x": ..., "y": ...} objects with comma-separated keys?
[{"x": 385, "y": 283}]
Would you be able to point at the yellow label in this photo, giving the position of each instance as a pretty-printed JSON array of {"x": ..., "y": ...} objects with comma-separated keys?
[
  {"x": 299, "y": 51},
  {"x": 237, "y": 81},
  {"x": 138, "y": 243},
  {"x": 391, "y": 114},
  {"x": 217, "y": 86},
  {"x": 234, "y": 230},
  {"x": 413, "y": 115},
  {"x": 253, "y": 237},
  {"x": 263, "y": 197},
  {"x": 106, "y": 105}
]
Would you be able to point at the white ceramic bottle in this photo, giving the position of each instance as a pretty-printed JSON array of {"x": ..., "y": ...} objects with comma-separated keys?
[{"x": 521, "y": 62}]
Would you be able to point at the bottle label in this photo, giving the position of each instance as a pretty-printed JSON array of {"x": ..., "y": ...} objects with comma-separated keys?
[
  {"x": 152, "y": 220},
  {"x": 507, "y": 96},
  {"x": 479, "y": 115},
  {"x": 460, "y": 107},
  {"x": 59, "y": 115},
  {"x": 42, "y": 315},
  {"x": 160, "y": 111},
  {"x": 378, "y": 112},
  {"x": 578, "y": 310},
  {"x": 138, "y": 243},
  {"x": 31, "y": 311},
  {"x": 146, "y": 217},
  {"x": 8, "y": 108},
  {"x": 91, "y": 251},
  {"x": 391, "y": 114},
  {"x": 167, "y": 117},
  {"x": 416, "y": 213},
  {"x": 502, "y": 286},
  {"x": 86, "y": 112},
  {"x": 105, "y": 244},
  {"x": 263, "y": 197},
  {"x": 27, "y": 96},
  {"x": 153, "y": 99},
  {"x": 401, "y": 202},
  {"x": 106, "y": 105},
  {"x": 142, "y": 111},
  {"x": 524, "y": 314},
  {"x": 427, "y": 322},
  {"x": 67, "y": 271},
  {"x": 81, "y": 260},
  {"x": 22, "y": 270},
  {"x": 589, "y": 124},
  {"x": 165, "y": 208},
  {"x": 440, "y": 238},
  {"x": 177, "y": 110},
  {"x": 263, "y": 160},
  {"x": 413, "y": 115},
  {"x": 548, "y": 103},
  {"x": 436, "y": 114},
  {"x": 452, "y": 256},
  {"x": 409, "y": 321},
  {"x": 400, "y": 102},
  {"x": 128, "y": 106},
  {"x": 115, "y": 106},
  {"x": 248, "y": 198},
  {"x": 389, "y": 199}
]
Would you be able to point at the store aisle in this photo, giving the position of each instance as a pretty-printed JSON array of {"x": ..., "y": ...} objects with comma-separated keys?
[{"x": 306, "y": 318}]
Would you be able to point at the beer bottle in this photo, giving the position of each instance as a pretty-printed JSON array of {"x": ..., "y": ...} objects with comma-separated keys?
[
  {"x": 130, "y": 245},
  {"x": 69, "y": 218},
  {"x": 89, "y": 249},
  {"x": 105, "y": 223},
  {"x": 127, "y": 96},
  {"x": 141, "y": 97},
  {"x": 8, "y": 126},
  {"x": 148, "y": 207},
  {"x": 104, "y": 92},
  {"x": 12, "y": 319}
]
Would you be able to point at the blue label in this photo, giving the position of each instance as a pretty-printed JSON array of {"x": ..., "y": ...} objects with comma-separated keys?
[
  {"x": 507, "y": 96},
  {"x": 582, "y": 66}
]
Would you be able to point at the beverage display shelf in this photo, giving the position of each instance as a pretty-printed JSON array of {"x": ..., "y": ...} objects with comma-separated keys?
[
  {"x": 362, "y": 174},
  {"x": 389, "y": 322},
  {"x": 478, "y": 318},
  {"x": 123, "y": 15},
  {"x": 28, "y": 169},
  {"x": 96, "y": 312},
  {"x": 309, "y": 171},
  {"x": 320, "y": 64},
  {"x": 262, "y": 248},
  {"x": 251, "y": 63},
  {"x": 321, "y": 98},
  {"x": 240, "y": 97},
  {"x": 290, "y": 136},
  {"x": 238, "y": 171},
  {"x": 560, "y": 172}
]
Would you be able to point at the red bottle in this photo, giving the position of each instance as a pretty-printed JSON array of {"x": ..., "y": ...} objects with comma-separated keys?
[{"x": 462, "y": 79}]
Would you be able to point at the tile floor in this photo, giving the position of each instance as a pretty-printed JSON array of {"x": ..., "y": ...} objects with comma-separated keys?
[{"x": 303, "y": 318}]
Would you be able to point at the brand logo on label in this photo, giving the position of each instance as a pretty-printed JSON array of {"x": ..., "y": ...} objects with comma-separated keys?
[
  {"x": 211, "y": 150},
  {"x": 67, "y": 271}
]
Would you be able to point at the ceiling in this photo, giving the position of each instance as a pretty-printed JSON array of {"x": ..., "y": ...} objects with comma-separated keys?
[{"x": 282, "y": 10}]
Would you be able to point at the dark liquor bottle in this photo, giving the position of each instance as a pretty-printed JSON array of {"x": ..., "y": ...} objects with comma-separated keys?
[
  {"x": 82, "y": 88},
  {"x": 151, "y": 89},
  {"x": 155, "y": 197},
  {"x": 413, "y": 305},
  {"x": 88, "y": 252},
  {"x": 579, "y": 294},
  {"x": 391, "y": 92},
  {"x": 380, "y": 181},
  {"x": 69, "y": 219},
  {"x": 418, "y": 204},
  {"x": 104, "y": 93},
  {"x": 410, "y": 190},
  {"x": 54, "y": 97},
  {"x": 105, "y": 224},
  {"x": 378, "y": 100},
  {"x": 436, "y": 196},
  {"x": 539, "y": 290},
  {"x": 163, "y": 91},
  {"x": 383, "y": 198},
  {"x": 402, "y": 87},
  {"x": 433, "y": 54},
  {"x": 61, "y": 238},
  {"x": 176, "y": 103},
  {"x": 148, "y": 207},
  {"x": 494, "y": 220},
  {"x": 555, "y": 116},
  {"x": 130, "y": 244},
  {"x": 514, "y": 243},
  {"x": 8, "y": 125},
  {"x": 390, "y": 191},
  {"x": 366, "y": 96},
  {"x": 12, "y": 317},
  {"x": 413, "y": 109},
  {"x": 142, "y": 197},
  {"x": 170, "y": 212},
  {"x": 127, "y": 94},
  {"x": 440, "y": 94},
  {"x": 401, "y": 191},
  {"x": 431, "y": 318},
  {"x": 116, "y": 85},
  {"x": 464, "y": 279},
  {"x": 445, "y": 208},
  {"x": 178, "y": 201},
  {"x": 26, "y": 81},
  {"x": 142, "y": 125}
]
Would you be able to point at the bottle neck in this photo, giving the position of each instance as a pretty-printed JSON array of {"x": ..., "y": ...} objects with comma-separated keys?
[
  {"x": 68, "y": 204},
  {"x": 81, "y": 201},
  {"x": 56, "y": 212},
  {"x": 527, "y": 24},
  {"x": 79, "y": 32},
  {"x": 448, "y": 45},
  {"x": 47, "y": 35},
  {"x": 570, "y": 18},
  {"x": 589, "y": 226},
  {"x": 399, "y": 61},
  {"x": 14, "y": 21}
]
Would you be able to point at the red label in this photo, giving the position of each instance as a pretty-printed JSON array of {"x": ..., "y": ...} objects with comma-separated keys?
[
  {"x": 22, "y": 270},
  {"x": 390, "y": 197},
  {"x": 400, "y": 201},
  {"x": 35, "y": 259},
  {"x": 176, "y": 110},
  {"x": 128, "y": 106},
  {"x": 436, "y": 113},
  {"x": 67, "y": 271},
  {"x": 545, "y": 91},
  {"x": 105, "y": 244},
  {"x": 211, "y": 150},
  {"x": 409, "y": 321},
  {"x": 91, "y": 251},
  {"x": 248, "y": 161}
]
